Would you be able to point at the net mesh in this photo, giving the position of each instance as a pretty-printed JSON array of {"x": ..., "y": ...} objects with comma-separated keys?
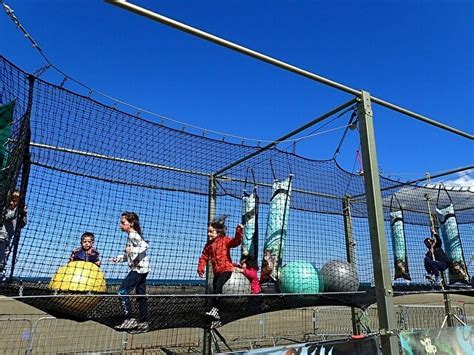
[{"x": 89, "y": 162}]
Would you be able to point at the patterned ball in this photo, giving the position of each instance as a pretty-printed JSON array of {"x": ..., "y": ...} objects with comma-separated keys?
[
  {"x": 339, "y": 276},
  {"x": 238, "y": 284},
  {"x": 74, "y": 282},
  {"x": 299, "y": 277},
  {"x": 79, "y": 276}
]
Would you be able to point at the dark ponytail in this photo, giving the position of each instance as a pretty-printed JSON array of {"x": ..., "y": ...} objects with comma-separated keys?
[{"x": 133, "y": 219}]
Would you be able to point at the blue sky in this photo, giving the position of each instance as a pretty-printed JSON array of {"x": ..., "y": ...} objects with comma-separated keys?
[{"x": 417, "y": 54}]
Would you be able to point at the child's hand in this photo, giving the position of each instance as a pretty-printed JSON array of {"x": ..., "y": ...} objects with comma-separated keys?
[
  {"x": 239, "y": 227},
  {"x": 201, "y": 274},
  {"x": 237, "y": 269},
  {"x": 114, "y": 260}
]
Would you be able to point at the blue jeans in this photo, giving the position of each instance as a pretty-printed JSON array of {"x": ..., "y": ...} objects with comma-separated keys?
[
  {"x": 434, "y": 267},
  {"x": 136, "y": 281}
]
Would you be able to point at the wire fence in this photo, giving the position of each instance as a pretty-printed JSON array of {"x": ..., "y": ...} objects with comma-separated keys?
[
  {"x": 468, "y": 311},
  {"x": 38, "y": 333},
  {"x": 336, "y": 321}
]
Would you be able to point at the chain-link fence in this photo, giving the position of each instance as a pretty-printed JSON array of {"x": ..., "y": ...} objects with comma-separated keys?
[
  {"x": 333, "y": 322},
  {"x": 39, "y": 333}
]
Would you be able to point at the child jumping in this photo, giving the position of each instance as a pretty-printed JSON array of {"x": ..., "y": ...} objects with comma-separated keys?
[
  {"x": 249, "y": 268},
  {"x": 13, "y": 220},
  {"x": 217, "y": 250},
  {"x": 135, "y": 255},
  {"x": 86, "y": 252},
  {"x": 436, "y": 260},
  {"x": 268, "y": 265}
]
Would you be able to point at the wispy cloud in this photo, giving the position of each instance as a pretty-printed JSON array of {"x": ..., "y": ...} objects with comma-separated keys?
[{"x": 463, "y": 179}]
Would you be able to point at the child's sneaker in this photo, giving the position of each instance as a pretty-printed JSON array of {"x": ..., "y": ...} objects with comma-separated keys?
[
  {"x": 213, "y": 313},
  {"x": 438, "y": 281},
  {"x": 140, "y": 328},
  {"x": 143, "y": 326},
  {"x": 430, "y": 277},
  {"x": 127, "y": 324}
]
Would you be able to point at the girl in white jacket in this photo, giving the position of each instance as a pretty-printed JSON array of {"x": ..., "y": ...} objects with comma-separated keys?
[{"x": 135, "y": 255}]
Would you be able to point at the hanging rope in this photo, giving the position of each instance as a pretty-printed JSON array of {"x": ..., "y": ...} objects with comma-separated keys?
[
  {"x": 442, "y": 186},
  {"x": 350, "y": 125},
  {"x": 398, "y": 202},
  {"x": 273, "y": 170},
  {"x": 432, "y": 224},
  {"x": 359, "y": 160},
  {"x": 289, "y": 164}
]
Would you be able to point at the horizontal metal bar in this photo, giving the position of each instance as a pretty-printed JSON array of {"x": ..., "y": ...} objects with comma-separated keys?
[
  {"x": 121, "y": 160},
  {"x": 449, "y": 172},
  {"x": 264, "y": 184},
  {"x": 270, "y": 60},
  {"x": 116, "y": 181},
  {"x": 220, "y": 41},
  {"x": 156, "y": 166},
  {"x": 422, "y": 118},
  {"x": 195, "y": 295}
]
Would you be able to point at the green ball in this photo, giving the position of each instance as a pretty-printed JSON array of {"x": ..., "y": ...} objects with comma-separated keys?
[{"x": 300, "y": 277}]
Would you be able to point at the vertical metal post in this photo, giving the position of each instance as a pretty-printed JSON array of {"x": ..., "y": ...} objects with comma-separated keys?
[
  {"x": 25, "y": 170},
  {"x": 211, "y": 211},
  {"x": 448, "y": 311},
  {"x": 350, "y": 252},
  {"x": 350, "y": 244},
  {"x": 383, "y": 287},
  {"x": 124, "y": 342}
]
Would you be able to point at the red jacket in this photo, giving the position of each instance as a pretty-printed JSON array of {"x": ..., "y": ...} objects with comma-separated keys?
[
  {"x": 218, "y": 251},
  {"x": 251, "y": 275}
]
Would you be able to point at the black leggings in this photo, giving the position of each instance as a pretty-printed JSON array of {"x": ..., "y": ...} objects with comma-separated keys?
[{"x": 218, "y": 284}]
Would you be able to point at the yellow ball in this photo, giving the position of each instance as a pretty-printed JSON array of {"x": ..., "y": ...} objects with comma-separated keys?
[{"x": 81, "y": 276}]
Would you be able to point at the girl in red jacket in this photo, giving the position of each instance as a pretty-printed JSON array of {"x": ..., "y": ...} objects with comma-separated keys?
[{"x": 217, "y": 250}]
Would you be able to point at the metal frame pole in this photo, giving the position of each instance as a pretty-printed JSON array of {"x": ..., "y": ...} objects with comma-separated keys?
[
  {"x": 383, "y": 287},
  {"x": 211, "y": 212},
  {"x": 350, "y": 252},
  {"x": 448, "y": 310},
  {"x": 228, "y": 44},
  {"x": 25, "y": 171},
  {"x": 278, "y": 63}
]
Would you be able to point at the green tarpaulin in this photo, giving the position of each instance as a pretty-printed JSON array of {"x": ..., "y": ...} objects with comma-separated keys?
[{"x": 6, "y": 119}]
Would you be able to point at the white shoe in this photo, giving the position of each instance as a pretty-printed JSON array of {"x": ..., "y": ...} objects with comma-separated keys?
[
  {"x": 143, "y": 326},
  {"x": 213, "y": 313},
  {"x": 127, "y": 324}
]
